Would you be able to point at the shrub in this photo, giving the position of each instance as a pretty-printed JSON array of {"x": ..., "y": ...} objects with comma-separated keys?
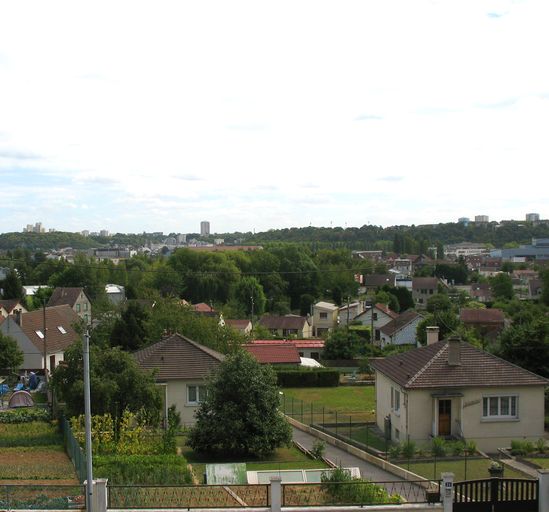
[
  {"x": 471, "y": 447},
  {"x": 312, "y": 378},
  {"x": 522, "y": 447},
  {"x": 438, "y": 447},
  {"x": 457, "y": 448},
  {"x": 318, "y": 449},
  {"x": 408, "y": 449},
  {"x": 342, "y": 488},
  {"x": 394, "y": 451},
  {"x": 540, "y": 445},
  {"x": 25, "y": 415}
]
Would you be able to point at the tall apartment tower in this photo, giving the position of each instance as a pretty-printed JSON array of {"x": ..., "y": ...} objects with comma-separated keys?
[
  {"x": 204, "y": 228},
  {"x": 532, "y": 217},
  {"x": 482, "y": 219}
]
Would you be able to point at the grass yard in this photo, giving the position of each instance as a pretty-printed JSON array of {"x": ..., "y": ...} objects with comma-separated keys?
[
  {"x": 542, "y": 462},
  {"x": 343, "y": 399},
  {"x": 283, "y": 458},
  {"x": 476, "y": 469}
]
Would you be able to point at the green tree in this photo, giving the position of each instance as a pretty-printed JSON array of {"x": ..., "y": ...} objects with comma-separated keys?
[
  {"x": 447, "y": 321},
  {"x": 438, "y": 302},
  {"x": 130, "y": 330},
  {"x": 502, "y": 287},
  {"x": 239, "y": 416},
  {"x": 116, "y": 382},
  {"x": 11, "y": 356},
  {"x": 527, "y": 345},
  {"x": 12, "y": 287},
  {"x": 249, "y": 289},
  {"x": 342, "y": 344},
  {"x": 545, "y": 288}
]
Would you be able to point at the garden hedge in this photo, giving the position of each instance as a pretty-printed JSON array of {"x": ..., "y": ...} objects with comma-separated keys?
[{"x": 313, "y": 378}]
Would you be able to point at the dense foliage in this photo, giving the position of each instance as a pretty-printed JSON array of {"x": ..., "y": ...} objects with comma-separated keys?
[
  {"x": 11, "y": 356},
  {"x": 307, "y": 378},
  {"x": 239, "y": 416}
]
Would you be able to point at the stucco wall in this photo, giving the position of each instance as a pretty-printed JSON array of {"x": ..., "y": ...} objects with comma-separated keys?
[{"x": 177, "y": 394}]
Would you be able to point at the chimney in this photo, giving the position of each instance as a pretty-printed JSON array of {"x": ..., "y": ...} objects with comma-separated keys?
[
  {"x": 18, "y": 317},
  {"x": 454, "y": 350},
  {"x": 432, "y": 334}
]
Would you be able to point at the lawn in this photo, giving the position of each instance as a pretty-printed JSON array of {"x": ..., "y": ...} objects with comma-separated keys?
[
  {"x": 343, "y": 399},
  {"x": 476, "y": 469},
  {"x": 542, "y": 462},
  {"x": 282, "y": 458}
]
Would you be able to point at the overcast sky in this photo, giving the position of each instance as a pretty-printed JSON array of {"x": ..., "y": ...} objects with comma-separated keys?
[{"x": 133, "y": 116}]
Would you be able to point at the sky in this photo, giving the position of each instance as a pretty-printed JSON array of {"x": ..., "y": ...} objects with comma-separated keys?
[{"x": 256, "y": 115}]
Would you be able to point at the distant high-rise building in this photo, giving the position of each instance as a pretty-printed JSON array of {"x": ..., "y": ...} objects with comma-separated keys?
[
  {"x": 204, "y": 228},
  {"x": 480, "y": 219},
  {"x": 464, "y": 220},
  {"x": 85, "y": 233},
  {"x": 38, "y": 228},
  {"x": 532, "y": 217},
  {"x": 181, "y": 238},
  {"x": 104, "y": 232}
]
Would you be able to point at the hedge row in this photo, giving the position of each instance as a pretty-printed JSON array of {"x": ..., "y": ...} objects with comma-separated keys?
[
  {"x": 24, "y": 415},
  {"x": 318, "y": 377}
]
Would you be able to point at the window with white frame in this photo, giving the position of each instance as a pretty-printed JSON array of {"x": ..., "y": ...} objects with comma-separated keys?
[
  {"x": 195, "y": 394},
  {"x": 395, "y": 400},
  {"x": 500, "y": 407}
]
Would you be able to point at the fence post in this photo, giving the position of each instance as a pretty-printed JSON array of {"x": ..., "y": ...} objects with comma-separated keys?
[
  {"x": 301, "y": 411},
  {"x": 100, "y": 496},
  {"x": 292, "y": 413},
  {"x": 336, "y": 423},
  {"x": 447, "y": 491},
  {"x": 323, "y": 420},
  {"x": 312, "y": 414},
  {"x": 543, "y": 489},
  {"x": 276, "y": 494},
  {"x": 350, "y": 426}
]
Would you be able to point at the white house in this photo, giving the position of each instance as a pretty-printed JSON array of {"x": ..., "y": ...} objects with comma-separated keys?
[
  {"x": 401, "y": 330},
  {"x": 452, "y": 389},
  {"x": 376, "y": 318}
]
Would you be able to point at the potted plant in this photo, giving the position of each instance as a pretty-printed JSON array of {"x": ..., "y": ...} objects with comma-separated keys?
[{"x": 495, "y": 469}]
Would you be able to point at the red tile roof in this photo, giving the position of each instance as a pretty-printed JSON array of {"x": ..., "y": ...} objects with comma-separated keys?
[
  {"x": 178, "y": 357},
  {"x": 10, "y": 304},
  {"x": 400, "y": 322},
  {"x": 274, "y": 354},
  {"x": 482, "y": 316},
  {"x": 65, "y": 296},
  {"x": 202, "y": 307},
  {"x": 387, "y": 310},
  {"x": 427, "y": 367},
  {"x": 297, "y": 343}
]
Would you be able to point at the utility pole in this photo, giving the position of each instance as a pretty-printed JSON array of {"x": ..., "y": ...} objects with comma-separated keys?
[
  {"x": 252, "y": 299},
  {"x": 45, "y": 332},
  {"x": 348, "y": 313},
  {"x": 87, "y": 418}
]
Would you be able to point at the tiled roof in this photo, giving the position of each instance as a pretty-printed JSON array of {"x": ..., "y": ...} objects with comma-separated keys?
[
  {"x": 387, "y": 310},
  {"x": 481, "y": 316},
  {"x": 9, "y": 304},
  {"x": 399, "y": 322},
  {"x": 59, "y": 316},
  {"x": 427, "y": 367},
  {"x": 202, "y": 307},
  {"x": 178, "y": 357},
  {"x": 283, "y": 322},
  {"x": 238, "y": 324},
  {"x": 379, "y": 280},
  {"x": 64, "y": 296},
  {"x": 319, "y": 344},
  {"x": 424, "y": 282},
  {"x": 274, "y": 354},
  {"x": 326, "y": 305}
]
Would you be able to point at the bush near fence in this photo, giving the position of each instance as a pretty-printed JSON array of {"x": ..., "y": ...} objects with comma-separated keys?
[
  {"x": 25, "y": 415},
  {"x": 318, "y": 377}
]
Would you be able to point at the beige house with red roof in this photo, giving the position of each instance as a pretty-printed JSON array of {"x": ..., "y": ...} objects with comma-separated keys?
[
  {"x": 288, "y": 325},
  {"x": 182, "y": 367},
  {"x": 28, "y": 330},
  {"x": 452, "y": 389},
  {"x": 10, "y": 306}
]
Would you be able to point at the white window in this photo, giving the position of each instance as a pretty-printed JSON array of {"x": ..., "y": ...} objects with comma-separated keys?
[
  {"x": 500, "y": 407},
  {"x": 61, "y": 329},
  {"x": 40, "y": 334},
  {"x": 324, "y": 316},
  {"x": 395, "y": 400},
  {"x": 195, "y": 394}
]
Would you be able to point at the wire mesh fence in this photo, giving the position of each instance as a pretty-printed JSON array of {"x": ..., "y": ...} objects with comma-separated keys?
[
  {"x": 41, "y": 497},
  {"x": 74, "y": 451},
  {"x": 188, "y": 496}
]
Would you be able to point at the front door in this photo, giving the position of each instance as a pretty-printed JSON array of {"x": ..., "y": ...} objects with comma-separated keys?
[{"x": 444, "y": 417}]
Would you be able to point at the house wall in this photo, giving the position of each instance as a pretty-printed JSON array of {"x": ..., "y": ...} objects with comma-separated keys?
[
  {"x": 32, "y": 357},
  {"x": 322, "y": 325},
  {"x": 493, "y": 434},
  {"x": 82, "y": 307},
  {"x": 399, "y": 419},
  {"x": 176, "y": 394},
  {"x": 405, "y": 336}
]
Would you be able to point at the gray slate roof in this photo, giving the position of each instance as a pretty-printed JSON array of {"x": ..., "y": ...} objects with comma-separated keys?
[
  {"x": 427, "y": 367},
  {"x": 178, "y": 357}
]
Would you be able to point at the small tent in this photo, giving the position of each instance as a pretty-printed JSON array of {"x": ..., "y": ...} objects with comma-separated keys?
[{"x": 21, "y": 399}]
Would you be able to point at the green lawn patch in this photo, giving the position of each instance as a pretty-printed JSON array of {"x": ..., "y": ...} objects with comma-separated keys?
[
  {"x": 368, "y": 436},
  {"x": 35, "y": 433},
  {"x": 476, "y": 469},
  {"x": 542, "y": 462},
  {"x": 343, "y": 399}
]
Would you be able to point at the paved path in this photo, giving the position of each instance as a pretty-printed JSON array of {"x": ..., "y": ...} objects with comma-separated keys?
[{"x": 393, "y": 484}]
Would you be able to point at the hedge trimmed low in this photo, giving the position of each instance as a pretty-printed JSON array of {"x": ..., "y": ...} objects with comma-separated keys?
[{"x": 313, "y": 378}]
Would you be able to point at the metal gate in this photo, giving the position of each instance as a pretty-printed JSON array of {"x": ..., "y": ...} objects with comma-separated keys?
[{"x": 496, "y": 495}]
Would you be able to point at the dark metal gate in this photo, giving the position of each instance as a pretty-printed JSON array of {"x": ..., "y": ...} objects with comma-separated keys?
[{"x": 496, "y": 495}]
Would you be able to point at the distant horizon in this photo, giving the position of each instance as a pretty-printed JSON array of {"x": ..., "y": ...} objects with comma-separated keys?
[{"x": 197, "y": 232}]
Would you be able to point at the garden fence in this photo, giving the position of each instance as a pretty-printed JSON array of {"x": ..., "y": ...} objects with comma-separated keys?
[
  {"x": 74, "y": 451},
  {"x": 41, "y": 497}
]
